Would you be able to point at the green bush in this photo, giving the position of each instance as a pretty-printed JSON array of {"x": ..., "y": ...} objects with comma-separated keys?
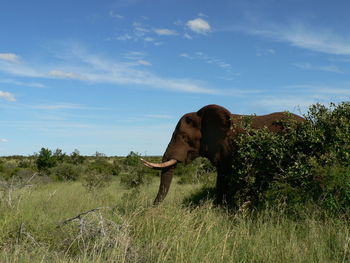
[
  {"x": 199, "y": 171},
  {"x": 135, "y": 177},
  {"x": 102, "y": 165},
  {"x": 307, "y": 162},
  {"x": 76, "y": 158},
  {"x": 47, "y": 159},
  {"x": 94, "y": 180},
  {"x": 99, "y": 172},
  {"x": 8, "y": 169},
  {"x": 65, "y": 171},
  {"x": 134, "y": 172}
]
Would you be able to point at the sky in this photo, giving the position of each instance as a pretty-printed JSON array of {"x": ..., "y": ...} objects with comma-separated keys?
[{"x": 115, "y": 76}]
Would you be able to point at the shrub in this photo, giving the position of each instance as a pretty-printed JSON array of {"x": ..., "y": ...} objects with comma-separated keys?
[
  {"x": 200, "y": 170},
  {"x": 135, "y": 177},
  {"x": 93, "y": 179},
  {"x": 307, "y": 162},
  {"x": 134, "y": 173},
  {"x": 101, "y": 165},
  {"x": 8, "y": 169},
  {"x": 76, "y": 158},
  {"x": 65, "y": 171}
]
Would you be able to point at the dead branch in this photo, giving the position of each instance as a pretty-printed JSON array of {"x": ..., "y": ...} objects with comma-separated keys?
[{"x": 79, "y": 216}]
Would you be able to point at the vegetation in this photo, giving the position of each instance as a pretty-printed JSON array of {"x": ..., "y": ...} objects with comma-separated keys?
[
  {"x": 58, "y": 207},
  {"x": 308, "y": 162}
]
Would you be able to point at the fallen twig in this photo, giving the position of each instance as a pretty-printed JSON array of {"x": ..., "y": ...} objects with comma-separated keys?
[{"x": 80, "y": 215}]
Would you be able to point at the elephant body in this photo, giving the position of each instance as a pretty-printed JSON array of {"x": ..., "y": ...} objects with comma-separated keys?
[{"x": 209, "y": 133}]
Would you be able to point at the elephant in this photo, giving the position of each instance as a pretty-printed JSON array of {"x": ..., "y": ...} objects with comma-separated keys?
[{"x": 208, "y": 133}]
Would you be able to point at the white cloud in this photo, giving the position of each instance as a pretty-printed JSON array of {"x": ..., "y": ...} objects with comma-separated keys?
[
  {"x": 134, "y": 55},
  {"x": 114, "y": 15},
  {"x": 20, "y": 83},
  {"x": 65, "y": 75},
  {"x": 202, "y": 15},
  {"x": 158, "y": 116},
  {"x": 7, "y": 96},
  {"x": 188, "y": 36},
  {"x": 185, "y": 55},
  {"x": 144, "y": 62},
  {"x": 165, "y": 32},
  {"x": 57, "y": 106},
  {"x": 140, "y": 27},
  {"x": 21, "y": 70},
  {"x": 211, "y": 60},
  {"x": 3, "y": 140},
  {"x": 339, "y": 90},
  {"x": 10, "y": 57},
  {"x": 308, "y": 66},
  {"x": 199, "y": 26},
  {"x": 149, "y": 39},
  {"x": 304, "y": 36},
  {"x": 124, "y": 37},
  {"x": 97, "y": 69}
]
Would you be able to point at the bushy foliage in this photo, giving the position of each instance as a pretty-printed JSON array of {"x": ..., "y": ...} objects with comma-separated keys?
[
  {"x": 93, "y": 179},
  {"x": 199, "y": 171},
  {"x": 134, "y": 173},
  {"x": 66, "y": 172},
  {"x": 76, "y": 158},
  {"x": 102, "y": 165},
  {"x": 99, "y": 172},
  {"x": 306, "y": 162},
  {"x": 47, "y": 159}
]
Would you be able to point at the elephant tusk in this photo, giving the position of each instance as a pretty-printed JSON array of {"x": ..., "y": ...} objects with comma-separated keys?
[{"x": 159, "y": 165}]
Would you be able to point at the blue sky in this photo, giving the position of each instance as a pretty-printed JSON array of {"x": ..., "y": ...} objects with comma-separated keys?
[{"x": 115, "y": 76}]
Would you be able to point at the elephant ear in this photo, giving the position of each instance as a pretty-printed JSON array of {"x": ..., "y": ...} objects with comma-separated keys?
[{"x": 215, "y": 128}]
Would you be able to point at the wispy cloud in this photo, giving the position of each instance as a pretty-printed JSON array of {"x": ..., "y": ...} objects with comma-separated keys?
[
  {"x": 158, "y": 116},
  {"x": 7, "y": 96},
  {"x": 339, "y": 90},
  {"x": 308, "y": 66},
  {"x": 115, "y": 15},
  {"x": 144, "y": 62},
  {"x": 188, "y": 36},
  {"x": 57, "y": 106},
  {"x": 199, "y": 26},
  {"x": 298, "y": 97},
  {"x": 303, "y": 36},
  {"x": 134, "y": 55},
  {"x": 65, "y": 75},
  {"x": 3, "y": 140},
  {"x": 21, "y": 83},
  {"x": 97, "y": 69},
  {"x": 10, "y": 57},
  {"x": 165, "y": 32},
  {"x": 140, "y": 32},
  {"x": 124, "y": 37},
  {"x": 21, "y": 69},
  {"x": 227, "y": 67}
]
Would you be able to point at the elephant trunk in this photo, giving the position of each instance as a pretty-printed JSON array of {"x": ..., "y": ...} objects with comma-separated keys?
[{"x": 165, "y": 181}]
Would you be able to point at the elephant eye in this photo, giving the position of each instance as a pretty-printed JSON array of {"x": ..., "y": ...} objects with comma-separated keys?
[{"x": 191, "y": 122}]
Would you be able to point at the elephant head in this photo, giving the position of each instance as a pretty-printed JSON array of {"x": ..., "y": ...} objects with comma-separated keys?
[{"x": 203, "y": 133}]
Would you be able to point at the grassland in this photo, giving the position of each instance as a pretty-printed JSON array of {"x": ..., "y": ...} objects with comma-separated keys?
[{"x": 43, "y": 222}]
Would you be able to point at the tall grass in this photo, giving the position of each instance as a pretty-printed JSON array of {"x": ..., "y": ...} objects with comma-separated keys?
[{"x": 40, "y": 225}]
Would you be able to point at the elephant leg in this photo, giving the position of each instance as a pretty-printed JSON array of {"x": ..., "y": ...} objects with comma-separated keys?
[{"x": 222, "y": 189}]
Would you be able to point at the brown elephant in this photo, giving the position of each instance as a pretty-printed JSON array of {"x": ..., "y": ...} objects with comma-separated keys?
[{"x": 208, "y": 133}]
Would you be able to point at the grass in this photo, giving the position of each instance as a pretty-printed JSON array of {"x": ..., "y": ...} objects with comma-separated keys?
[{"x": 127, "y": 228}]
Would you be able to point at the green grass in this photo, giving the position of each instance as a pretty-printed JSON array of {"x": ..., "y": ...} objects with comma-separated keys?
[{"x": 127, "y": 228}]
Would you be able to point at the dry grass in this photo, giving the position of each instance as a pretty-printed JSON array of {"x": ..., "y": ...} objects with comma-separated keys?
[{"x": 126, "y": 228}]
